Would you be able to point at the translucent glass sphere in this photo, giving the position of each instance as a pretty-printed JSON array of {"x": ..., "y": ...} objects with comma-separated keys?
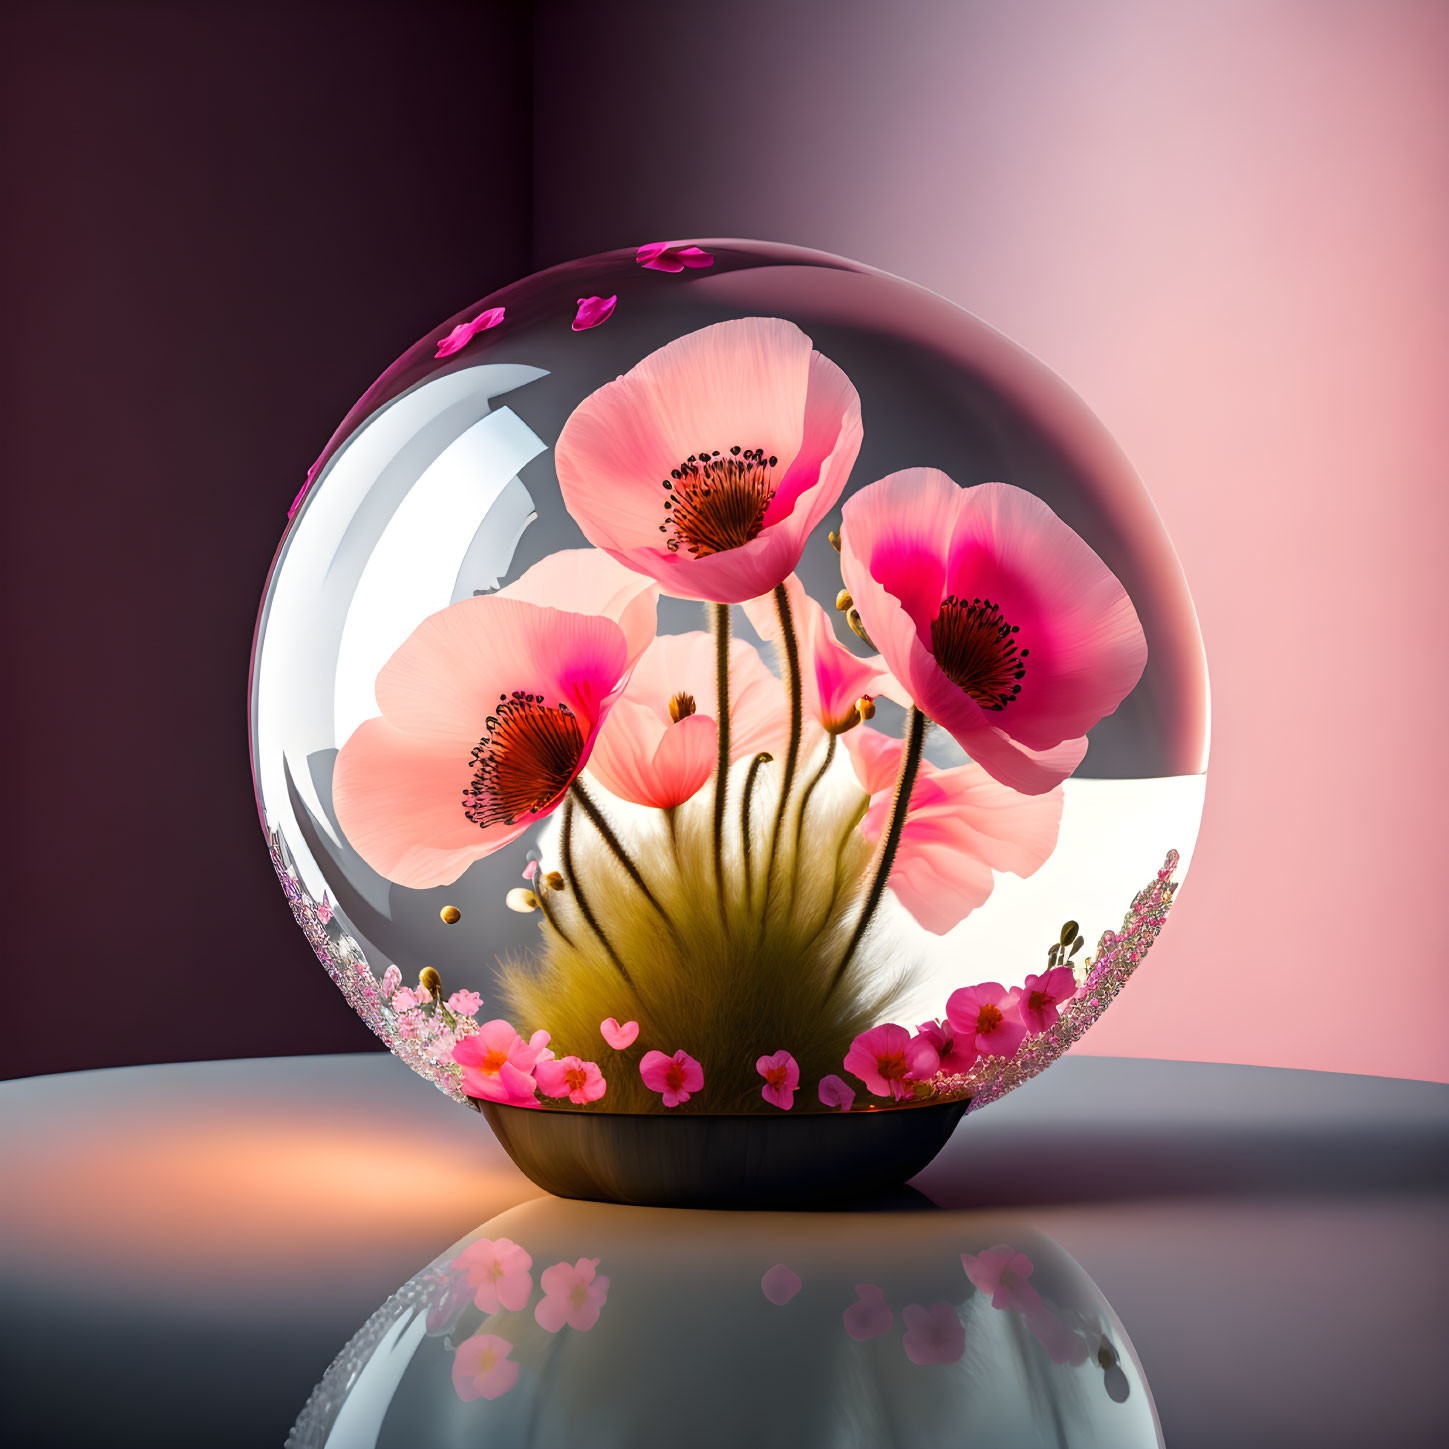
[{"x": 967, "y": 703}]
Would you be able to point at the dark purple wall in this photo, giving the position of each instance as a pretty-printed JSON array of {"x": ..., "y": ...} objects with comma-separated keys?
[{"x": 223, "y": 220}]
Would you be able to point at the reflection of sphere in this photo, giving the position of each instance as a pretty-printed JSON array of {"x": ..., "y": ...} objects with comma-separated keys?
[
  {"x": 441, "y": 485},
  {"x": 783, "y": 1329}
]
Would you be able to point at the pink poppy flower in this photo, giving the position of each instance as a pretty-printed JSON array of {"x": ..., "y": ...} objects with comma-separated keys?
[
  {"x": 570, "y": 1077},
  {"x": 780, "y": 1284},
  {"x": 1002, "y": 624},
  {"x": 671, "y": 257},
  {"x": 888, "y": 1059},
  {"x": 869, "y": 1316},
  {"x": 673, "y": 1077},
  {"x": 782, "y": 1076},
  {"x": 933, "y": 1335},
  {"x": 1002, "y": 1273},
  {"x": 1062, "y": 1343},
  {"x": 961, "y": 827},
  {"x": 832, "y": 677},
  {"x": 464, "y": 1003},
  {"x": 592, "y": 311},
  {"x": 391, "y": 980},
  {"x": 835, "y": 1092},
  {"x": 660, "y": 743},
  {"x": 957, "y": 1056},
  {"x": 498, "y": 1272},
  {"x": 482, "y": 1368},
  {"x": 490, "y": 708},
  {"x": 1042, "y": 995},
  {"x": 572, "y": 1295},
  {"x": 988, "y": 1017},
  {"x": 498, "y": 1064},
  {"x": 708, "y": 464},
  {"x": 619, "y": 1037},
  {"x": 465, "y": 332}
]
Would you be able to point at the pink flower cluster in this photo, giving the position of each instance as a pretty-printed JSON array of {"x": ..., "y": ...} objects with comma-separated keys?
[{"x": 500, "y": 1066}]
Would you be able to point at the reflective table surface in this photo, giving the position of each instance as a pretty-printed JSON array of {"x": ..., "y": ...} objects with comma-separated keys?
[{"x": 232, "y": 1252}]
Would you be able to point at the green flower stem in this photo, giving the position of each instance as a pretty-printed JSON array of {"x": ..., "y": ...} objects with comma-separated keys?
[
  {"x": 581, "y": 899},
  {"x": 809, "y": 790},
  {"x": 790, "y": 651},
  {"x": 721, "y": 620},
  {"x": 606, "y": 832},
  {"x": 763, "y": 758},
  {"x": 900, "y": 808}
]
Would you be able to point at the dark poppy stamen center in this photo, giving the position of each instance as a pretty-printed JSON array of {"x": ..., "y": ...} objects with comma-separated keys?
[
  {"x": 717, "y": 501},
  {"x": 977, "y": 651},
  {"x": 525, "y": 760}
]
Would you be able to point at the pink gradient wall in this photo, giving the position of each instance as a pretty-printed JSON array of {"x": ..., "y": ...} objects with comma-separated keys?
[{"x": 1227, "y": 226}]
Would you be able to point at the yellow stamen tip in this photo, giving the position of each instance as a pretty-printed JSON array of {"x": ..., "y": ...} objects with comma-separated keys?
[{"x": 843, "y": 601}]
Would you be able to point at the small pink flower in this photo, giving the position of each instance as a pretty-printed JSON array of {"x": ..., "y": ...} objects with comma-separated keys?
[
  {"x": 619, "y": 1037},
  {"x": 464, "y": 1003},
  {"x": 671, "y": 257},
  {"x": 498, "y": 1064},
  {"x": 410, "y": 1025},
  {"x": 1064, "y": 1345},
  {"x": 870, "y": 1315},
  {"x": 933, "y": 1335},
  {"x": 987, "y": 1017},
  {"x": 592, "y": 311},
  {"x": 482, "y": 1368},
  {"x": 407, "y": 997},
  {"x": 571, "y": 1295},
  {"x": 1042, "y": 995},
  {"x": 673, "y": 1077},
  {"x": 888, "y": 1058},
  {"x": 440, "y": 1049},
  {"x": 391, "y": 980},
  {"x": 780, "y": 1284},
  {"x": 782, "y": 1076},
  {"x": 957, "y": 1057},
  {"x": 498, "y": 1271},
  {"x": 570, "y": 1077},
  {"x": 324, "y": 911},
  {"x": 835, "y": 1092},
  {"x": 1002, "y": 1273},
  {"x": 465, "y": 332}
]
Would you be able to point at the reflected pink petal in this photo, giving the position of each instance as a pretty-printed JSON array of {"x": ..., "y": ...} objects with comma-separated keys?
[
  {"x": 835, "y": 1092},
  {"x": 1002, "y": 1273},
  {"x": 465, "y": 332},
  {"x": 669, "y": 257},
  {"x": 482, "y": 1368},
  {"x": 869, "y": 1316},
  {"x": 780, "y": 1284},
  {"x": 573, "y": 1295},
  {"x": 592, "y": 311},
  {"x": 933, "y": 1335}
]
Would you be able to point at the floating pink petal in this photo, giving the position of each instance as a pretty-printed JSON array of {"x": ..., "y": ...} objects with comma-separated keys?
[
  {"x": 1002, "y": 1273},
  {"x": 391, "y": 980},
  {"x": 592, "y": 311},
  {"x": 498, "y": 1272},
  {"x": 1042, "y": 996},
  {"x": 498, "y": 1065},
  {"x": 572, "y": 1077},
  {"x": 1001, "y": 623},
  {"x": 674, "y": 1078},
  {"x": 933, "y": 1335},
  {"x": 780, "y": 1284},
  {"x": 619, "y": 1037},
  {"x": 782, "y": 1076},
  {"x": 671, "y": 257},
  {"x": 963, "y": 828},
  {"x": 530, "y": 871},
  {"x": 1063, "y": 1344},
  {"x": 836, "y": 1092},
  {"x": 987, "y": 1017},
  {"x": 464, "y": 1003},
  {"x": 573, "y": 1295},
  {"x": 888, "y": 1059},
  {"x": 708, "y": 464},
  {"x": 465, "y": 332},
  {"x": 482, "y": 1368},
  {"x": 869, "y": 1316}
]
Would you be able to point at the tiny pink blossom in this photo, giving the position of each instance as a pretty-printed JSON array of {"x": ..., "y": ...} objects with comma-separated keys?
[
  {"x": 782, "y": 1077},
  {"x": 870, "y": 1315},
  {"x": 592, "y": 311},
  {"x": 1002, "y": 1273},
  {"x": 482, "y": 1368},
  {"x": 673, "y": 1077},
  {"x": 530, "y": 871},
  {"x": 498, "y": 1271},
  {"x": 410, "y": 1025},
  {"x": 957, "y": 1056},
  {"x": 570, "y": 1077},
  {"x": 835, "y": 1092},
  {"x": 987, "y": 1017},
  {"x": 780, "y": 1284},
  {"x": 670, "y": 257},
  {"x": 324, "y": 911},
  {"x": 464, "y": 1003},
  {"x": 1042, "y": 995},
  {"x": 465, "y": 332},
  {"x": 1062, "y": 1343},
  {"x": 572, "y": 1295},
  {"x": 888, "y": 1058},
  {"x": 498, "y": 1064},
  {"x": 933, "y": 1335},
  {"x": 619, "y": 1037},
  {"x": 391, "y": 980},
  {"x": 405, "y": 998},
  {"x": 440, "y": 1049}
]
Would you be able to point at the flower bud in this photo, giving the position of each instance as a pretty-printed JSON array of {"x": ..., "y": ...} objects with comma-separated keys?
[
  {"x": 522, "y": 901},
  {"x": 865, "y": 707},
  {"x": 843, "y": 601},
  {"x": 853, "y": 619},
  {"x": 834, "y": 538},
  {"x": 451, "y": 915},
  {"x": 430, "y": 981}
]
